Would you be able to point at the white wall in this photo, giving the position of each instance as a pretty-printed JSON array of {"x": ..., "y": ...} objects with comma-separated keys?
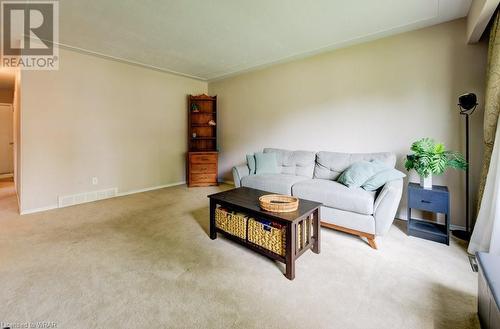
[
  {"x": 124, "y": 124},
  {"x": 377, "y": 96},
  {"x": 479, "y": 16}
]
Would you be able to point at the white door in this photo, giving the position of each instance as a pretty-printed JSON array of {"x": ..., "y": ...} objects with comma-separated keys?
[{"x": 6, "y": 140}]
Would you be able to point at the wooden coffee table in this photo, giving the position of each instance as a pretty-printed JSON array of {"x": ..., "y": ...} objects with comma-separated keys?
[{"x": 246, "y": 200}]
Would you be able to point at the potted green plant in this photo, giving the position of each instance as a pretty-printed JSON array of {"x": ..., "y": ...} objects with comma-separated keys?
[{"x": 431, "y": 158}]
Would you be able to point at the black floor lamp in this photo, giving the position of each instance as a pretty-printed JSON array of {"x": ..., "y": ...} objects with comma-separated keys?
[{"x": 467, "y": 103}]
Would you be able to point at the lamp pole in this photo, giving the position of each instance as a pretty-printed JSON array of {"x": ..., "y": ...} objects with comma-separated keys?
[
  {"x": 466, "y": 111},
  {"x": 466, "y": 235}
]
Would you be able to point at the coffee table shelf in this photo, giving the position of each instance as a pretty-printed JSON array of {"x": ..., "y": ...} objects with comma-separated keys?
[{"x": 252, "y": 246}]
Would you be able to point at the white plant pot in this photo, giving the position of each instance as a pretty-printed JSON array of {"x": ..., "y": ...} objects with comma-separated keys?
[{"x": 426, "y": 182}]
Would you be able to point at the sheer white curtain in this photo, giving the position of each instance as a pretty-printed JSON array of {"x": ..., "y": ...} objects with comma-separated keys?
[{"x": 486, "y": 235}]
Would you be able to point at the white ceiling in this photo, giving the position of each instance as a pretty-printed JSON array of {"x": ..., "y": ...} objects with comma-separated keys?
[{"x": 210, "y": 39}]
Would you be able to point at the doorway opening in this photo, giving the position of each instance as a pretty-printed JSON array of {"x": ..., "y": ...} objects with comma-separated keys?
[
  {"x": 9, "y": 137},
  {"x": 6, "y": 140}
]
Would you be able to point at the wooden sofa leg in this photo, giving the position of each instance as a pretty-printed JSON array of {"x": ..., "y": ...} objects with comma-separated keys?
[
  {"x": 371, "y": 242},
  {"x": 368, "y": 236}
]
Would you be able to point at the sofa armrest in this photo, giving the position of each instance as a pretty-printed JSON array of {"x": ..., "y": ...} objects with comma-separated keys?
[
  {"x": 386, "y": 205},
  {"x": 239, "y": 172}
]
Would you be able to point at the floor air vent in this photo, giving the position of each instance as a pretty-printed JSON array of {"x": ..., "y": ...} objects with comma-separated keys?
[
  {"x": 473, "y": 263},
  {"x": 71, "y": 200}
]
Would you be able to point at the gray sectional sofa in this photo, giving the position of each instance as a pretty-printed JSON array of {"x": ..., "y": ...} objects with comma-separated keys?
[{"x": 312, "y": 176}]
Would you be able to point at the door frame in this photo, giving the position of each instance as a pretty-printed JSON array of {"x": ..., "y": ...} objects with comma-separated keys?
[{"x": 5, "y": 175}]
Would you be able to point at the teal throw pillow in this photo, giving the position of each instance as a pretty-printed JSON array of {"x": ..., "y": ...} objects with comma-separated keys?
[
  {"x": 251, "y": 163},
  {"x": 266, "y": 163},
  {"x": 378, "y": 180},
  {"x": 359, "y": 172}
]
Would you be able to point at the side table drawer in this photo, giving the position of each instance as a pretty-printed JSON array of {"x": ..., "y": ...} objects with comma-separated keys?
[
  {"x": 202, "y": 169},
  {"x": 198, "y": 168},
  {"x": 428, "y": 200},
  {"x": 203, "y": 158},
  {"x": 203, "y": 178}
]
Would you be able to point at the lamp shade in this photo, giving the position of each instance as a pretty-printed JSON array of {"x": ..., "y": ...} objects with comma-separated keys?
[{"x": 467, "y": 101}]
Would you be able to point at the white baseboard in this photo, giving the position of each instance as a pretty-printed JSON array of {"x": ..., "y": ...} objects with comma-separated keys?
[
  {"x": 228, "y": 182},
  {"x": 51, "y": 207},
  {"x": 35, "y": 210},
  {"x": 147, "y": 189},
  {"x": 6, "y": 175},
  {"x": 454, "y": 227}
]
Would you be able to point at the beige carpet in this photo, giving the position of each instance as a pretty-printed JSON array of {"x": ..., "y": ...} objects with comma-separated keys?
[{"x": 145, "y": 261}]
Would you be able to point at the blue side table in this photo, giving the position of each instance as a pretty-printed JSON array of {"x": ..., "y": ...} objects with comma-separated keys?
[{"x": 436, "y": 200}]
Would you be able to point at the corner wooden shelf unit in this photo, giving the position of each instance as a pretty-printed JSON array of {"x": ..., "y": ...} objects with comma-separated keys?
[{"x": 202, "y": 158}]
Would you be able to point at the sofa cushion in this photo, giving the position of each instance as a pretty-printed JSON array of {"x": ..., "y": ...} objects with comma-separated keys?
[
  {"x": 380, "y": 179},
  {"x": 329, "y": 165},
  {"x": 299, "y": 163},
  {"x": 266, "y": 163},
  {"x": 335, "y": 195},
  {"x": 274, "y": 183},
  {"x": 251, "y": 163},
  {"x": 359, "y": 172}
]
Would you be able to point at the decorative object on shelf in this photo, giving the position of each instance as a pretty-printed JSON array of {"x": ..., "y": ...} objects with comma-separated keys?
[
  {"x": 211, "y": 123},
  {"x": 435, "y": 200},
  {"x": 467, "y": 104},
  {"x": 202, "y": 141},
  {"x": 278, "y": 203},
  {"x": 431, "y": 158}
]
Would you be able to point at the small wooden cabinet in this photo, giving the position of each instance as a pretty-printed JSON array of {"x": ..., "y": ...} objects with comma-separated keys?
[
  {"x": 202, "y": 157},
  {"x": 202, "y": 168}
]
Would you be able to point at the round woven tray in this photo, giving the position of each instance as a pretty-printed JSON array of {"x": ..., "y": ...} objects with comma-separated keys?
[{"x": 278, "y": 203}]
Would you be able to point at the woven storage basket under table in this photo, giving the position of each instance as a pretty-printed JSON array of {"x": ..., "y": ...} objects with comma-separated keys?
[
  {"x": 270, "y": 235},
  {"x": 233, "y": 223}
]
